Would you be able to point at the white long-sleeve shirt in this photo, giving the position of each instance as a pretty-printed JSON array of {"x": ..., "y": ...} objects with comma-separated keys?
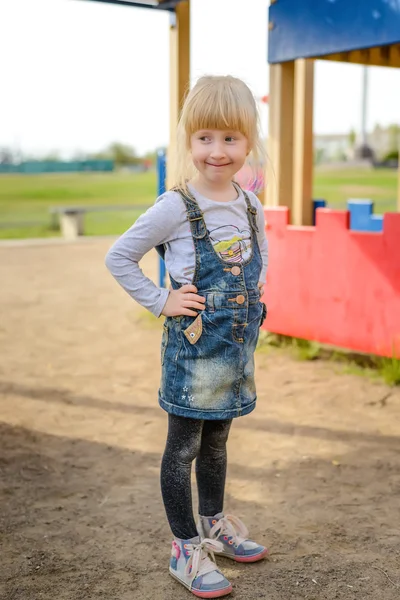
[{"x": 166, "y": 223}]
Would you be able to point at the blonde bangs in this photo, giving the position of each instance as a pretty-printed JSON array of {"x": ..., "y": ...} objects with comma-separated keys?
[{"x": 215, "y": 105}]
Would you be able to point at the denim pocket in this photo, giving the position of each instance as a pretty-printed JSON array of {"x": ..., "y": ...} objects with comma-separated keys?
[
  {"x": 255, "y": 314},
  {"x": 194, "y": 331}
]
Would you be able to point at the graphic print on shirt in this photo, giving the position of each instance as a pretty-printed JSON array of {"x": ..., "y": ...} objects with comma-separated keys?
[{"x": 231, "y": 244}]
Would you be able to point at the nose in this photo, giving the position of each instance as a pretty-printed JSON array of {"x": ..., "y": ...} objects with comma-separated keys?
[{"x": 217, "y": 151}]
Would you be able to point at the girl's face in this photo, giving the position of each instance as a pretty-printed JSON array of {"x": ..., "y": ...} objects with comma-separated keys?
[{"x": 218, "y": 155}]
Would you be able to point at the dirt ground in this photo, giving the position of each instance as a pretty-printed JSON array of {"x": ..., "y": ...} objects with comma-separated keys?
[{"x": 314, "y": 472}]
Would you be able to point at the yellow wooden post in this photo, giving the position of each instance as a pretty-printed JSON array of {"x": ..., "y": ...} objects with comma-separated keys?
[
  {"x": 302, "y": 213},
  {"x": 279, "y": 171},
  {"x": 179, "y": 74}
]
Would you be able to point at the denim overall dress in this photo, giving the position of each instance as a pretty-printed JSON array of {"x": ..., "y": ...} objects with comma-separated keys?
[{"x": 208, "y": 361}]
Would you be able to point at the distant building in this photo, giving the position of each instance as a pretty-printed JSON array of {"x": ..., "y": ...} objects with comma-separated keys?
[
  {"x": 341, "y": 146},
  {"x": 331, "y": 147}
]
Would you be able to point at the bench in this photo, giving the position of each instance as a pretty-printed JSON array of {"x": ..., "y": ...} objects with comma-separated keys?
[{"x": 71, "y": 218}]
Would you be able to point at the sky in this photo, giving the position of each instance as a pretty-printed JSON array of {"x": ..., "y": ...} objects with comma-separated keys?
[{"x": 77, "y": 75}]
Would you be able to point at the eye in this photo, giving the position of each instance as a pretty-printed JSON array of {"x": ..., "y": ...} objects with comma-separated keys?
[
  {"x": 229, "y": 138},
  {"x": 205, "y": 138}
]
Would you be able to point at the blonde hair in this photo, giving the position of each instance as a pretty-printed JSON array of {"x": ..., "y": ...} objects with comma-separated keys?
[{"x": 217, "y": 102}]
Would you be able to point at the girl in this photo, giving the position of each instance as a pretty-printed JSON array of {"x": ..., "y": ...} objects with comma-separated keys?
[{"x": 212, "y": 235}]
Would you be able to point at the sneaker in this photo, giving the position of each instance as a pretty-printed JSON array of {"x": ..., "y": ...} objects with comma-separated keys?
[
  {"x": 193, "y": 565},
  {"x": 234, "y": 537}
]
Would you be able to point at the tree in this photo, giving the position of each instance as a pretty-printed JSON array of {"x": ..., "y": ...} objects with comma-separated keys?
[
  {"x": 52, "y": 156},
  {"x": 121, "y": 154},
  {"x": 6, "y": 156},
  {"x": 394, "y": 137},
  {"x": 352, "y": 138}
]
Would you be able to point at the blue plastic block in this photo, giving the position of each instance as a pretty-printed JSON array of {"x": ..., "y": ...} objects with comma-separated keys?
[
  {"x": 362, "y": 217},
  {"x": 318, "y": 203},
  {"x": 161, "y": 177}
]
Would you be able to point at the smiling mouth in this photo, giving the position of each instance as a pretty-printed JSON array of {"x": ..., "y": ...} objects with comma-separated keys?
[{"x": 213, "y": 165}]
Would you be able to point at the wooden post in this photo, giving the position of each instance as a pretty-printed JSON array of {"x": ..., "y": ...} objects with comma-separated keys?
[
  {"x": 279, "y": 172},
  {"x": 179, "y": 74},
  {"x": 303, "y": 142}
]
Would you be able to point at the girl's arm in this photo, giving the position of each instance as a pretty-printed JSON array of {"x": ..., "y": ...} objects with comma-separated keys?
[
  {"x": 156, "y": 226},
  {"x": 261, "y": 235}
]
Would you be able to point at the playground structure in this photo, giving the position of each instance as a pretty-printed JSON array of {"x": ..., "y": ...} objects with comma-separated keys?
[
  {"x": 337, "y": 282},
  {"x": 366, "y": 32},
  {"x": 334, "y": 276}
]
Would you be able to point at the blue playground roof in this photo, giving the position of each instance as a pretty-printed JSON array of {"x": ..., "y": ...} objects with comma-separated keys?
[
  {"x": 157, "y": 4},
  {"x": 316, "y": 28}
]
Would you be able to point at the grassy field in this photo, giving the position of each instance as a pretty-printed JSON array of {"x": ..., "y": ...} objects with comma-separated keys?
[
  {"x": 25, "y": 200},
  {"x": 337, "y": 186}
]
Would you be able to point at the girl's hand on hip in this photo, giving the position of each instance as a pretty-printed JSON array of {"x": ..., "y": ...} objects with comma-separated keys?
[
  {"x": 180, "y": 302},
  {"x": 261, "y": 288}
]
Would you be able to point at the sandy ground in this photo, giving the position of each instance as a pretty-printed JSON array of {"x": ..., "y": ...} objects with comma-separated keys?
[{"x": 314, "y": 471}]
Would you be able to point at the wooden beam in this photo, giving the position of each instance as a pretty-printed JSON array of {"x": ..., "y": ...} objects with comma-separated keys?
[
  {"x": 302, "y": 209},
  {"x": 394, "y": 55},
  {"x": 179, "y": 75},
  {"x": 279, "y": 171},
  {"x": 379, "y": 56}
]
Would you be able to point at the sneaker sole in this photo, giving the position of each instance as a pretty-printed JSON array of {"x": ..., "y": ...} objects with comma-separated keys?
[
  {"x": 244, "y": 559},
  {"x": 216, "y": 594}
]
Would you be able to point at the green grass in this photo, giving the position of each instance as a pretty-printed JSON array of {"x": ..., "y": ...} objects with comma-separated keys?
[
  {"x": 337, "y": 186},
  {"x": 366, "y": 365},
  {"x": 305, "y": 349},
  {"x": 28, "y": 198},
  {"x": 25, "y": 199},
  {"x": 389, "y": 368}
]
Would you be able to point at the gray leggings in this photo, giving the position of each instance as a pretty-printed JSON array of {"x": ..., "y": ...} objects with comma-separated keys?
[{"x": 189, "y": 439}]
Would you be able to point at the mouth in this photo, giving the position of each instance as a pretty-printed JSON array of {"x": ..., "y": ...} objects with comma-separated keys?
[{"x": 214, "y": 165}]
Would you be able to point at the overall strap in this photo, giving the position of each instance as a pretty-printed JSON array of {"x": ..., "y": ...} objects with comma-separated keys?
[
  {"x": 251, "y": 210},
  {"x": 194, "y": 214}
]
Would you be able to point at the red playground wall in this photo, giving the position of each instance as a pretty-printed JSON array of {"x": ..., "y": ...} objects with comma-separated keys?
[{"x": 333, "y": 285}]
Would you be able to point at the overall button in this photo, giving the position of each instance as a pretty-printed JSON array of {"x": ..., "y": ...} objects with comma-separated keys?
[
  {"x": 240, "y": 299},
  {"x": 235, "y": 270}
]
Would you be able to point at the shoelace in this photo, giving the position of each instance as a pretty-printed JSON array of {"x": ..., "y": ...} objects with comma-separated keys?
[
  {"x": 199, "y": 562},
  {"x": 232, "y": 527}
]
